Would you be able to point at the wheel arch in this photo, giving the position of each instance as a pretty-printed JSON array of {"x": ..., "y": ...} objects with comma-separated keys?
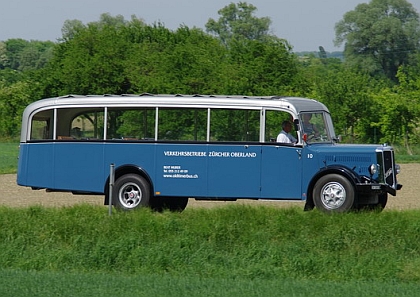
[
  {"x": 126, "y": 169},
  {"x": 344, "y": 171}
]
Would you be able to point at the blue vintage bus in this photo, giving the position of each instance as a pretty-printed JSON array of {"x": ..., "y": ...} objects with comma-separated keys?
[{"x": 167, "y": 149}]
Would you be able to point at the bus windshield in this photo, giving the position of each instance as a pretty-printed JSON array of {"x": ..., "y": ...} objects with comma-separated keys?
[{"x": 316, "y": 127}]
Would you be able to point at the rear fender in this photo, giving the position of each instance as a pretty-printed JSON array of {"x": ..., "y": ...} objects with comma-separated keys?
[{"x": 125, "y": 169}]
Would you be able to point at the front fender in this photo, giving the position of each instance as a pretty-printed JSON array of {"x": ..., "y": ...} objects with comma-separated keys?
[{"x": 352, "y": 176}]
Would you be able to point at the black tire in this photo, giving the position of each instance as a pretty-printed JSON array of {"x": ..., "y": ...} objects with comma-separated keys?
[
  {"x": 382, "y": 201},
  {"x": 131, "y": 191},
  {"x": 175, "y": 204},
  {"x": 334, "y": 193}
]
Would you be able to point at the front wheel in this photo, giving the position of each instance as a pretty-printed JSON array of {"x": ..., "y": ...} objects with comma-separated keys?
[
  {"x": 381, "y": 199},
  {"x": 131, "y": 191},
  {"x": 333, "y": 193}
]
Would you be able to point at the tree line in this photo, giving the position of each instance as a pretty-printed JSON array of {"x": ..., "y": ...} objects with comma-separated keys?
[{"x": 373, "y": 92}]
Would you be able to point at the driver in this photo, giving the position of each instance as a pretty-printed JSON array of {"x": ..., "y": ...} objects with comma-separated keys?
[{"x": 308, "y": 127}]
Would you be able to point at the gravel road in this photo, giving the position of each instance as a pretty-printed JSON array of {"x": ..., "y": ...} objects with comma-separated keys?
[{"x": 13, "y": 195}]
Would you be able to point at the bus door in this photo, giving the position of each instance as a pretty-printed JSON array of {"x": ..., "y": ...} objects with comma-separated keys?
[
  {"x": 180, "y": 170},
  {"x": 234, "y": 171},
  {"x": 281, "y": 172}
]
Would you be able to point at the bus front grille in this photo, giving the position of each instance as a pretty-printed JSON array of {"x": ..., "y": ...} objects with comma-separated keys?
[{"x": 387, "y": 172}]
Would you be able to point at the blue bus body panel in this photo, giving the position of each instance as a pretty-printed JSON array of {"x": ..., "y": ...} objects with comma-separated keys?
[
  {"x": 189, "y": 170},
  {"x": 199, "y": 170},
  {"x": 219, "y": 171},
  {"x": 316, "y": 157},
  {"x": 137, "y": 154},
  {"x": 234, "y": 171},
  {"x": 357, "y": 156},
  {"x": 79, "y": 166},
  {"x": 62, "y": 166},
  {"x": 281, "y": 172},
  {"x": 35, "y": 166},
  {"x": 181, "y": 170}
]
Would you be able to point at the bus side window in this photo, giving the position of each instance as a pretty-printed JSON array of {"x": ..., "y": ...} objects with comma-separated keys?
[
  {"x": 41, "y": 125},
  {"x": 234, "y": 125},
  {"x": 182, "y": 124},
  {"x": 88, "y": 125},
  {"x": 131, "y": 123}
]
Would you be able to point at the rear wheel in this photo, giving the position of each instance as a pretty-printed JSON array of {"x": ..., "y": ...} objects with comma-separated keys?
[
  {"x": 333, "y": 193},
  {"x": 131, "y": 191}
]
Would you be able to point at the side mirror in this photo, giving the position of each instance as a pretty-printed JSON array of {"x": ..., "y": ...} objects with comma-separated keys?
[{"x": 337, "y": 139}]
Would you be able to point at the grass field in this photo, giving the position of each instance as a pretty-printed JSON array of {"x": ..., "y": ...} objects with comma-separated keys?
[
  {"x": 51, "y": 284},
  {"x": 231, "y": 251},
  {"x": 404, "y": 156},
  {"x": 9, "y": 157}
]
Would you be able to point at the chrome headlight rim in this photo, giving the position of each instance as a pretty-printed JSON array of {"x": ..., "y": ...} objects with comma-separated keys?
[
  {"x": 373, "y": 169},
  {"x": 397, "y": 168}
]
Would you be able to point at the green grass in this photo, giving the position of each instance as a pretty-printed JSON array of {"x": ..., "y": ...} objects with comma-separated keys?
[
  {"x": 229, "y": 251},
  {"x": 407, "y": 159},
  {"x": 402, "y": 155},
  {"x": 51, "y": 284},
  {"x": 9, "y": 152}
]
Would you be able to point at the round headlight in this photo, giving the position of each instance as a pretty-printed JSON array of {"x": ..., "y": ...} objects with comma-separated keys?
[
  {"x": 397, "y": 168},
  {"x": 373, "y": 169}
]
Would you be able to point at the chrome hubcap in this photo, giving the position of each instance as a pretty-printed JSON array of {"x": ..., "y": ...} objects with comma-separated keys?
[
  {"x": 333, "y": 195},
  {"x": 130, "y": 195}
]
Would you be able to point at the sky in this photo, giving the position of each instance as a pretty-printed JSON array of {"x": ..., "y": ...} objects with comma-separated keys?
[{"x": 305, "y": 24}]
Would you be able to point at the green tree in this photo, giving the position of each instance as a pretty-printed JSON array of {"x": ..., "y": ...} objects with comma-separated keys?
[
  {"x": 404, "y": 109},
  {"x": 90, "y": 60},
  {"x": 186, "y": 61},
  {"x": 262, "y": 67},
  {"x": 35, "y": 55},
  {"x": 397, "y": 117},
  {"x": 380, "y": 36},
  {"x": 14, "y": 48},
  {"x": 312, "y": 72},
  {"x": 3, "y": 55},
  {"x": 13, "y": 100},
  {"x": 22, "y": 55},
  {"x": 70, "y": 29},
  {"x": 237, "y": 21},
  {"x": 260, "y": 63},
  {"x": 347, "y": 95}
]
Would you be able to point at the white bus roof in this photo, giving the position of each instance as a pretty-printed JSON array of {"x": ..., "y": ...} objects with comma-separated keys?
[{"x": 293, "y": 104}]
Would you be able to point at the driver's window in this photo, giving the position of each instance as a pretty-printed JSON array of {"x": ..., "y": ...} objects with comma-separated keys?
[{"x": 313, "y": 125}]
